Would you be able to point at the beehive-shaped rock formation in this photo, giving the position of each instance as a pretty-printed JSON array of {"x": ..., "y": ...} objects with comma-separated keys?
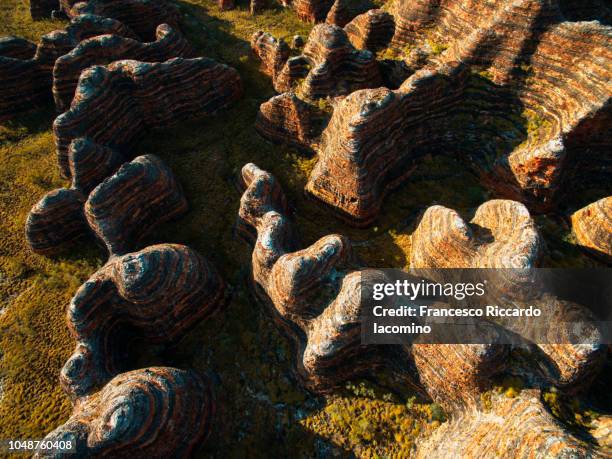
[
  {"x": 26, "y": 69},
  {"x": 592, "y": 227},
  {"x": 288, "y": 119},
  {"x": 120, "y": 211},
  {"x": 371, "y": 30},
  {"x": 502, "y": 234},
  {"x": 156, "y": 295},
  {"x": 105, "y": 49},
  {"x": 328, "y": 66},
  {"x": 311, "y": 10},
  {"x": 154, "y": 412},
  {"x": 126, "y": 206},
  {"x": 141, "y": 16},
  {"x": 343, "y": 11},
  {"x": 490, "y": 79},
  {"x": 132, "y": 96}
]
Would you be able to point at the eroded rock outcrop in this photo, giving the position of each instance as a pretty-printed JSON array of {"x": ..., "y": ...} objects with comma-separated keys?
[
  {"x": 502, "y": 234},
  {"x": 155, "y": 295},
  {"x": 372, "y": 30},
  {"x": 299, "y": 287},
  {"x": 141, "y": 16},
  {"x": 119, "y": 211},
  {"x": 105, "y": 49},
  {"x": 311, "y": 10},
  {"x": 133, "y": 96},
  {"x": 486, "y": 75},
  {"x": 314, "y": 296},
  {"x": 288, "y": 119},
  {"x": 329, "y": 65},
  {"x": 508, "y": 428},
  {"x": 592, "y": 227},
  {"x": 26, "y": 69},
  {"x": 343, "y": 11},
  {"x": 154, "y": 412}
]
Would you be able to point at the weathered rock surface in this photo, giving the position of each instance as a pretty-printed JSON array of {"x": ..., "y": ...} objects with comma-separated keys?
[
  {"x": 125, "y": 207},
  {"x": 329, "y": 65},
  {"x": 56, "y": 222},
  {"x": 315, "y": 298},
  {"x": 141, "y": 16},
  {"x": 114, "y": 105},
  {"x": 299, "y": 287},
  {"x": 592, "y": 226},
  {"x": 337, "y": 68},
  {"x": 17, "y": 48},
  {"x": 372, "y": 30},
  {"x": 105, "y": 49},
  {"x": 155, "y": 412},
  {"x": 155, "y": 295},
  {"x": 475, "y": 65},
  {"x": 25, "y": 82},
  {"x": 119, "y": 211},
  {"x": 26, "y": 70},
  {"x": 286, "y": 119},
  {"x": 343, "y": 11},
  {"x": 502, "y": 234},
  {"x": 272, "y": 52},
  {"x": 311, "y": 10},
  {"x": 511, "y": 427}
]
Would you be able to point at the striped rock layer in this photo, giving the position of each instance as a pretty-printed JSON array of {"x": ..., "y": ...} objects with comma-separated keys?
[
  {"x": 104, "y": 49},
  {"x": 155, "y": 295},
  {"x": 334, "y": 63},
  {"x": 344, "y": 11},
  {"x": 502, "y": 234},
  {"x": 592, "y": 227},
  {"x": 121, "y": 210},
  {"x": 141, "y": 16},
  {"x": 155, "y": 412},
  {"x": 26, "y": 70},
  {"x": 519, "y": 89},
  {"x": 114, "y": 105},
  {"x": 288, "y": 119},
  {"x": 315, "y": 298},
  {"x": 311, "y": 296},
  {"x": 126, "y": 206},
  {"x": 329, "y": 64},
  {"x": 371, "y": 30},
  {"x": 510, "y": 428}
]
